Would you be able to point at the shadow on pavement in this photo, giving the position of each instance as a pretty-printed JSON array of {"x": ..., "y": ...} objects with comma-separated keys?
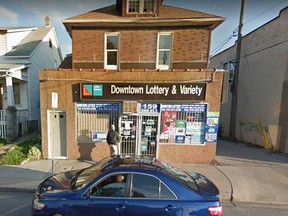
[{"x": 245, "y": 152}]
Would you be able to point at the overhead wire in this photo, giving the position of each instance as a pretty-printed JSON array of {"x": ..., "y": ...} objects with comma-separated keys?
[{"x": 234, "y": 34}]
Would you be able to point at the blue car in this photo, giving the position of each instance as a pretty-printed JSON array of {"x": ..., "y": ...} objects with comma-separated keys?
[{"x": 127, "y": 186}]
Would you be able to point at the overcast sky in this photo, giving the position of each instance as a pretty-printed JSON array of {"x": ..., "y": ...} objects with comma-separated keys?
[{"x": 32, "y": 13}]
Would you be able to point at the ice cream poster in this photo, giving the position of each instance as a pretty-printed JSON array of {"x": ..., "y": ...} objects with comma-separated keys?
[{"x": 169, "y": 121}]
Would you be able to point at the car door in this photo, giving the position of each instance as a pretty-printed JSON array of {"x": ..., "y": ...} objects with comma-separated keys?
[
  {"x": 149, "y": 196},
  {"x": 107, "y": 198}
]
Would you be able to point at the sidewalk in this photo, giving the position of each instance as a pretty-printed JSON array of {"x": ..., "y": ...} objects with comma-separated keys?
[{"x": 243, "y": 173}]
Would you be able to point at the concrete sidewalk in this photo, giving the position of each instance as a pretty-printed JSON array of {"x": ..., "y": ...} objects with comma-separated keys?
[{"x": 248, "y": 175}]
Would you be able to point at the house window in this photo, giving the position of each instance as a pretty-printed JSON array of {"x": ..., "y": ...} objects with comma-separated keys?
[
  {"x": 111, "y": 50},
  {"x": 148, "y": 6},
  {"x": 16, "y": 92},
  {"x": 50, "y": 43},
  {"x": 164, "y": 51},
  {"x": 134, "y": 6},
  {"x": 141, "y": 6}
]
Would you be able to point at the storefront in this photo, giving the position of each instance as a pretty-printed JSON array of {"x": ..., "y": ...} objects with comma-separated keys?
[{"x": 173, "y": 121}]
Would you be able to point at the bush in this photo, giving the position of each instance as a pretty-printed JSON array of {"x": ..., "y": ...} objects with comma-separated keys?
[
  {"x": 21, "y": 152},
  {"x": 2, "y": 142}
]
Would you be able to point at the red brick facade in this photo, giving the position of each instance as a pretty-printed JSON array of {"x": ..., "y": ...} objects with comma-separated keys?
[{"x": 137, "y": 63}]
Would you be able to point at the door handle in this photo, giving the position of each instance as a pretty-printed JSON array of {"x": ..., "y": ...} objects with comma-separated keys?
[
  {"x": 120, "y": 207},
  {"x": 171, "y": 208}
]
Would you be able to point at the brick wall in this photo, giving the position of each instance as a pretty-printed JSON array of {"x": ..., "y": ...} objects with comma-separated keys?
[
  {"x": 64, "y": 81},
  {"x": 138, "y": 48}
]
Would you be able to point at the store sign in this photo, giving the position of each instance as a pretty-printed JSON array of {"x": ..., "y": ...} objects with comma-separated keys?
[
  {"x": 142, "y": 91},
  {"x": 150, "y": 108}
]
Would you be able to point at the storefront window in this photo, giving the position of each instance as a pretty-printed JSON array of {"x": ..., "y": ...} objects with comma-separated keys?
[
  {"x": 183, "y": 124},
  {"x": 94, "y": 120}
]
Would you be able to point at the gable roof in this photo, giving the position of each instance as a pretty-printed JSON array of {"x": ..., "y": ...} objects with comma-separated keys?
[
  {"x": 29, "y": 43},
  {"x": 168, "y": 16}
]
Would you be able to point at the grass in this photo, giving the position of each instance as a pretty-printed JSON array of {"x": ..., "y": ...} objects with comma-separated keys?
[{"x": 20, "y": 152}]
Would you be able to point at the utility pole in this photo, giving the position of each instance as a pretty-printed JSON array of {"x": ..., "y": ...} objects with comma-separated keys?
[{"x": 233, "y": 116}]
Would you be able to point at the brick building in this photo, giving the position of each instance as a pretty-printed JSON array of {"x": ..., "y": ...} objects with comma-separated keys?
[{"x": 141, "y": 66}]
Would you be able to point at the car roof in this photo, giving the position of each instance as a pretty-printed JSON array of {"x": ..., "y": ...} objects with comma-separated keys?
[{"x": 133, "y": 162}]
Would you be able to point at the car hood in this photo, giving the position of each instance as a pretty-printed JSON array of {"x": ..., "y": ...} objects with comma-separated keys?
[{"x": 61, "y": 181}]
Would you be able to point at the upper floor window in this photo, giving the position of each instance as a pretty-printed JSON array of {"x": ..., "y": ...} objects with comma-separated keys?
[
  {"x": 141, "y": 6},
  {"x": 111, "y": 50},
  {"x": 164, "y": 50}
]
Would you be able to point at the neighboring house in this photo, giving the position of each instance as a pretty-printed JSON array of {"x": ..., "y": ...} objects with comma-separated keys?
[
  {"x": 263, "y": 84},
  {"x": 142, "y": 66},
  {"x": 23, "y": 52}
]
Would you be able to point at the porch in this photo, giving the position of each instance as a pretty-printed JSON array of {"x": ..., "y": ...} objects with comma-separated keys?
[{"x": 15, "y": 119}]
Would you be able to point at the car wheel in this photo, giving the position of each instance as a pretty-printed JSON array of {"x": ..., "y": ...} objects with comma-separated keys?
[{"x": 57, "y": 214}]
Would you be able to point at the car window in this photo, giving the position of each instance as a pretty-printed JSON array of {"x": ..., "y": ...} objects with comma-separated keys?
[
  {"x": 181, "y": 176},
  {"x": 112, "y": 186},
  {"x": 144, "y": 186},
  {"x": 166, "y": 193}
]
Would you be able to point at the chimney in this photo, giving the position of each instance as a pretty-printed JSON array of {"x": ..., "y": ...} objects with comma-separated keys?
[{"x": 47, "y": 22}]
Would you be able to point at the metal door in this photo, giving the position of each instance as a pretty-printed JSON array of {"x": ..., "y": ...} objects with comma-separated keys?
[
  {"x": 139, "y": 135},
  {"x": 128, "y": 131},
  {"x": 57, "y": 134}
]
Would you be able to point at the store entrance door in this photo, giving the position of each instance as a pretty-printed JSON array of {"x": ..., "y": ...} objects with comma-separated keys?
[{"x": 139, "y": 135}]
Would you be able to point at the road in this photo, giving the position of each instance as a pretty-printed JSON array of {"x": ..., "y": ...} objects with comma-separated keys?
[{"x": 19, "y": 204}]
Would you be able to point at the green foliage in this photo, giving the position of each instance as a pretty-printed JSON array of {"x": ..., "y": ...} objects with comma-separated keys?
[
  {"x": 22, "y": 152},
  {"x": 2, "y": 142}
]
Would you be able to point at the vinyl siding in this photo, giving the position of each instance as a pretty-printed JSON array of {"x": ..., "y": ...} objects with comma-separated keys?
[
  {"x": 3, "y": 44},
  {"x": 42, "y": 57}
]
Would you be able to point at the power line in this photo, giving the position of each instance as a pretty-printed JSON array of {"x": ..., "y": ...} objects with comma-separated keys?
[{"x": 260, "y": 14}]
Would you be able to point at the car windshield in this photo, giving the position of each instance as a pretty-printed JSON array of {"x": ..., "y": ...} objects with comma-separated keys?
[
  {"x": 87, "y": 175},
  {"x": 181, "y": 176}
]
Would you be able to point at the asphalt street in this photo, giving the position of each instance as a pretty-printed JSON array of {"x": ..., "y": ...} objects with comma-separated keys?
[{"x": 19, "y": 204}]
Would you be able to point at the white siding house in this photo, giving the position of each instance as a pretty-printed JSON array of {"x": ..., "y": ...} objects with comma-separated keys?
[
  {"x": 23, "y": 52},
  {"x": 262, "y": 88}
]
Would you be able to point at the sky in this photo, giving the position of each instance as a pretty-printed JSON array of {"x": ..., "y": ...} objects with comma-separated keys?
[{"x": 26, "y": 13}]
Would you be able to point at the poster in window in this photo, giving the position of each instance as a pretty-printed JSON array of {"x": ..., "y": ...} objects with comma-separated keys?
[
  {"x": 197, "y": 138},
  {"x": 169, "y": 121},
  {"x": 180, "y": 139},
  {"x": 171, "y": 138},
  {"x": 180, "y": 127},
  {"x": 98, "y": 136},
  {"x": 144, "y": 144},
  {"x": 148, "y": 130}
]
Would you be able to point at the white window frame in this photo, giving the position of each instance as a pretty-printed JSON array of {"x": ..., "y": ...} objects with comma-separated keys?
[
  {"x": 158, "y": 66},
  {"x": 106, "y": 66},
  {"x": 141, "y": 8}
]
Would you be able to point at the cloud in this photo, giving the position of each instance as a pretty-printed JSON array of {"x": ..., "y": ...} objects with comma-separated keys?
[{"x": 7, "y": 14}]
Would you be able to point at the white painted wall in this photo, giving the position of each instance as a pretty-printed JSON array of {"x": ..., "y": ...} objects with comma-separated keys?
[
  {"x": 14, "y": 38},
  {"x": 3, "y": 44}
]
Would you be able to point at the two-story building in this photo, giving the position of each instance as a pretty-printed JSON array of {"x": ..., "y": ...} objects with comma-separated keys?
[
  {"x": 141, "y": 66},
  {"x": 23, "y": 52}
]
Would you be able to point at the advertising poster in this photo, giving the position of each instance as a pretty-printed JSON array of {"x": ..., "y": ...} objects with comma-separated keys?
[
  {"x": 144, "y": 144},
  {"x": 180, "y": 139},
  {"x": 148, "y": 130},
  {"x": 212, "y": 124},
  {"x": 180, "y": 127},
  {"x": 98, "y": 136},
  {"x": 169, "y": 121}
]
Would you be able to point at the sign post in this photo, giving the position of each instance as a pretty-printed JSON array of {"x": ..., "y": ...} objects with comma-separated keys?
[{"x": 54, "y": 106}]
